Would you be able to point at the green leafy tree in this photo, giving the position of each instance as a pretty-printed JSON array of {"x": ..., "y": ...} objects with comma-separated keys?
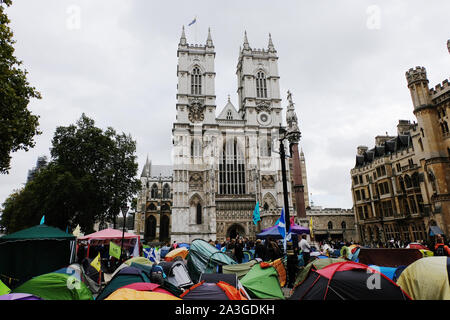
[
  {"x": 91, "y": 174},
  {"x": 18, "y": 125}
]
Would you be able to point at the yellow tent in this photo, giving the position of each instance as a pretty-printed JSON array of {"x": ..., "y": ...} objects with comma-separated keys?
[
  {"x": 130, "y": 294},
  {"x": 179, "y": 252},
  {"x": 426, "y": 279},
  {"x": 140, "y": 260}
]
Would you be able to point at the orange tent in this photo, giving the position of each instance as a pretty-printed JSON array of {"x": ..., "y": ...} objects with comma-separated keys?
[{"x": 179, "y": 252}]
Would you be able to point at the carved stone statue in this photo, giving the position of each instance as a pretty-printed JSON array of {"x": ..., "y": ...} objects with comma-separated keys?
[{"x": 196, "y": 111}]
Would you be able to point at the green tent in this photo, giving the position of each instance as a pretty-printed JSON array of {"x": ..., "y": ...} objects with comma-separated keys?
[
  {"x": 240, "y": 270},
  {"x": 4, "y": 289},
  {"x": 262, "y": 283},
  {"x": 204, "y": 258},
  {"x": 317, "y": 264},
  {"x": 33, "y": 252},
  {"x": 56, "y": 286}
]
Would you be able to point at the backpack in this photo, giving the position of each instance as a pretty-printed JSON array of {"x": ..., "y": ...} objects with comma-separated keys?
[{"x": 440, "y": 251}]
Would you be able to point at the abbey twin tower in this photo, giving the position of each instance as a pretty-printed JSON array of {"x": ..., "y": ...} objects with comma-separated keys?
[{"x": 226, "y": 161}]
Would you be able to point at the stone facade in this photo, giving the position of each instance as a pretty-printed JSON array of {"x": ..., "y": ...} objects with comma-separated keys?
[
  {"x": 401, "y": 187},
  {"x": 331, "y": 224}
]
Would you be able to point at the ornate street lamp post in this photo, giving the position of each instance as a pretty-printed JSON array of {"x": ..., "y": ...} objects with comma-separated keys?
[{"x": 124, "y": 212}]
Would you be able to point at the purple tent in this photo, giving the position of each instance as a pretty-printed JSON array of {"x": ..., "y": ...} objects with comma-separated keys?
[
  {"x": 273, "y": 231},
  {"x": 19, "y": 296}
]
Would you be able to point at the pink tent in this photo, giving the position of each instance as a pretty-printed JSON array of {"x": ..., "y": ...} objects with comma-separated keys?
[{"x": 106, "y": 236}]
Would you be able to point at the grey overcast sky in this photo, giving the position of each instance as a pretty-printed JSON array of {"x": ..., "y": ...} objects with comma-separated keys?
[{"x": 344, "y": 62}]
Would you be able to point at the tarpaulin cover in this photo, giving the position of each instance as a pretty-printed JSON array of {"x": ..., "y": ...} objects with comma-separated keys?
[
  {"x": 33, "y": 252},
  {"x": 177, "y": 273},
  {"x": 389, "y": 257},
  {"x": 239, "y": 269},
  {"x": 262, "y": 283},
  {"x": 204, "y": 258},
  {"x": 130, "y": 294},
  {"x": 56, "y": 286},
  {"x": 427, "y": 279}
]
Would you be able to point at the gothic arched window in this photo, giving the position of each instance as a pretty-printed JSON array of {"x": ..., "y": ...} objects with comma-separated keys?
[
  {"x": 166, "y": 191},
  {"x": 150, "y": 228},
  {"x": 199, "y": 214},
  {"x": 196, "y": 148},
  {"x": 330, "y": 225},
  {"x": 154, "y": 191},
  {"x": 164, "y": 228},
  {"x": 261, "y": 87},
  {"x": 229, "y": 115},
  {"x": 231, "y": 169},
  {"x": 196, "y": 81},
  {"x": 343, "y": 225}
]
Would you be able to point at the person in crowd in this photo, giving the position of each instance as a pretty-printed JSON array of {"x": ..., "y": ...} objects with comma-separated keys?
[
  {"x": 239, "y": 251},
  {"x": 292, "y": 261},
  {"x": 305, "y": 248},
  {"x": 440, "y": 249},
  {"x": 217, "y": 245},
  {"x": 259, "y": 249}
]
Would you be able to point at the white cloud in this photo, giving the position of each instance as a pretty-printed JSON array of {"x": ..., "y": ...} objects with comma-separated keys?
[{"x": 348, "y": 82}]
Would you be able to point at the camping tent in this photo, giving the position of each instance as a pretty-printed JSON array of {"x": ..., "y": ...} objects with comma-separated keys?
[
  {"x": 177, "y": 273},
  {"x": 314, "y": 265},
  {"x": 104, "y": 237},
  {"x": 275, "y": 234},
  {"x": 262, "y": 283},
  {"x": 56, "y": 286},
  {"x": 179, "y": 252},
  {"x": 125, "y": 276},
  {"x": 427, "y": 279},
  {"x": 145, "y": 286},
  {"x": 212, "y": 291},
  {"x": 130, "y": 294},
  {"x": 231, "y": 279},
  {"x": 348, "y": 280},
  {"x": 33, "y": 252},
  {"x": 204, "y": 258},
  {"x": 4, "y": 289},
  {"x": 240, "y": 269},
  {"x": 19, "y": 296}
]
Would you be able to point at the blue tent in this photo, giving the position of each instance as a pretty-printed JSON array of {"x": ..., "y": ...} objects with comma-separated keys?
[{"x": 387, "y": 271}]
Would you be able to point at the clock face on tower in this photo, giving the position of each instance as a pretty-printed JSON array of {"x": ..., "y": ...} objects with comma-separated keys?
[{"x": 264, "y": 119}]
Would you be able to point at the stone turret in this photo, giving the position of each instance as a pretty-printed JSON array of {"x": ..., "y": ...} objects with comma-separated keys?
[
  {"x": 209, "y": 42},
  {"x": 418, "y": 86},
  {"x": 361, "y": 149},
  {"x": 183, "y": 41},
  {"x": 271, "y": 46}
]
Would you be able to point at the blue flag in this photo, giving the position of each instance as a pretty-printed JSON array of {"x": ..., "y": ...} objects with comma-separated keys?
[
  {"x": 281, "y": 223},
  {"x": 193, "y": 21},
  {"x": 256, "y": 215},
  {"x": 42, "y": 219}
]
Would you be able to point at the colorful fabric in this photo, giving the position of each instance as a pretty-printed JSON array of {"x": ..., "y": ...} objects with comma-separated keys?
[{"x": 114, "y": 250}]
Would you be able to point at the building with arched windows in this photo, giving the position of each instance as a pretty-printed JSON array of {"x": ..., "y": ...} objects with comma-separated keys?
[
  {"x": 401, "y": 187},
  {"x": 224, "y": 161},
  {"x": 154, "y": 204}
]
